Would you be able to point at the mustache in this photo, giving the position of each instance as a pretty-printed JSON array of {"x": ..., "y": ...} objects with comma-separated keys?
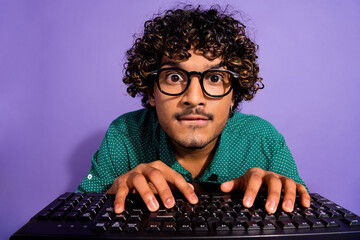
[{"x": 197, "y": 111}]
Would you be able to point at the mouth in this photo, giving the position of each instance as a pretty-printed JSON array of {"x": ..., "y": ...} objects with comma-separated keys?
[{"x": 194, "y": 119}]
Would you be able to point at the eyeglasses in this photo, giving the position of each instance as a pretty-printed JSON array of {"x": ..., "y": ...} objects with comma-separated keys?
[{"x": 175, "y": 81}]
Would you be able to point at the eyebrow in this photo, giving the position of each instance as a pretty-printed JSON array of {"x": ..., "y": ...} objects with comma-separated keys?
[{"x": 177, "y": 64}]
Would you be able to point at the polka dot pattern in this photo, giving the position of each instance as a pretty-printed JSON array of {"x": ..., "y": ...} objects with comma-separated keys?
[{"x": 136, "y": 137}]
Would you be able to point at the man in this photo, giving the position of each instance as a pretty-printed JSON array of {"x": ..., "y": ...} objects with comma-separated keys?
[{"x": 192, "y": 68}]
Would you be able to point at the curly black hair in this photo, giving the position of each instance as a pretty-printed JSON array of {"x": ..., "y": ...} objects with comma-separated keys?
[{"x": 212, "y": 32}]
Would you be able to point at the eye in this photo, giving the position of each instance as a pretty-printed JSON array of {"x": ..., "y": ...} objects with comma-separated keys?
[
  {"x": 215, "y": 77},
  {"x": 174, "y": 77}
]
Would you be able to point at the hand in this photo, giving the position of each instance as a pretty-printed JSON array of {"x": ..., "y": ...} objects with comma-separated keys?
[
  {"x": 254, "y": 178},
  {"x": 147, "y": 179}
]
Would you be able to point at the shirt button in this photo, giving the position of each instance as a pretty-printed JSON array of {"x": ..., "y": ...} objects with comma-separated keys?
[{"x": 89, "y": 176}]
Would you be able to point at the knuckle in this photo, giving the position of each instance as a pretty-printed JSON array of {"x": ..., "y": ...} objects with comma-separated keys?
[
  {"x": 289, "y": 182},
  {"x": 156, "y": 164}
]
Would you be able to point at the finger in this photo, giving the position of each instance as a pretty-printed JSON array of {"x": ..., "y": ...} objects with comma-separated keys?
[
  {"x": 158, "y": 180},
  {"x": 184, "y": 187},
  {"x": 254, "y": 183},
  {"x": 237, "y": 184},
  {"x": 119, "y": 202},
  {"x": 274, "y": 192},
  {"x": 140, "y": 183},
  {"x": 304, "y": 195},
  {"x": 289, "y": 186},
  {"x": 227, "y": 186}
]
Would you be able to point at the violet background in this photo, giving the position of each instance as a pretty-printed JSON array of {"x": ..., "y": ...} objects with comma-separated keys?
[{"x": 60, "y": 88}]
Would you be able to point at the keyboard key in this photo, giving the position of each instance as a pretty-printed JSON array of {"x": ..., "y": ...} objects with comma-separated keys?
[
  {"x": 184, "y": 227},
  {"x": 44, "y": 214},
  {"x": 58, "y": 215},
  {"x": 132, "y": 227},
  {"x": 236, "y": 226},
  {"x": 101, "y": 226},
  {"x": 251, "y": 225},
  {"x": 221, "y": 226},
  {"x": 72, "y": 215},
  {"x": 200, "y": 227},
  {"x": 286, "y": 224},
  {"x": 267, "y": 225},
  {"x": 352, "y": 221},
  {"x": 117, "y": 226},
  {"x": 301, "y": 224},
  {"x": 329, "y": 222},
  {"x": 54, "y": 205},
  {"x": 169, "y": 227},
  {"x": 315, "y": 223},
  {"x": 153, "y": 227}
]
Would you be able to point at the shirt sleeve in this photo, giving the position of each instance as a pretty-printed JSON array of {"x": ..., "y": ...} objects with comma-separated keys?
[
  {"x": 109, "y": 162},
  {"x": 283, "y": 162}
]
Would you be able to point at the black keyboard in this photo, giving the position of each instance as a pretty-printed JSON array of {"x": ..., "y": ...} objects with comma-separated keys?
[{"x": 217, "y": 215}]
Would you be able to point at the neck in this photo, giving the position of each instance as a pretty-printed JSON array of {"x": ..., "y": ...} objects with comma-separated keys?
[{"x": 195, "y": 160}]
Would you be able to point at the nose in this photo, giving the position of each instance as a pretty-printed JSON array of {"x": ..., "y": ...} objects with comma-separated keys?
[{"x": 194, "y": 95}]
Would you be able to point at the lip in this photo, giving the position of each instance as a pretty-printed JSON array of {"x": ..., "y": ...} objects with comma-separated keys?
[{"x": 199, "y": 120}]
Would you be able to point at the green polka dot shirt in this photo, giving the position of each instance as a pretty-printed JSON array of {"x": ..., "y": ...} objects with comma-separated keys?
[{"x": 136, "y": 137}]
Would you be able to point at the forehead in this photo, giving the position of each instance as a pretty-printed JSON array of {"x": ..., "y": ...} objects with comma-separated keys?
[{"x": 195, "y": 62}]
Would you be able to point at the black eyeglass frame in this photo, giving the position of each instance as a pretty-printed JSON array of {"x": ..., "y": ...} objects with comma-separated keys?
[{"x": 201, "y": 74}]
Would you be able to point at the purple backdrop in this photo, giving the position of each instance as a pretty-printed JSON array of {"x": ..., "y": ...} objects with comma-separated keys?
[{"x": 61, "y": 68}]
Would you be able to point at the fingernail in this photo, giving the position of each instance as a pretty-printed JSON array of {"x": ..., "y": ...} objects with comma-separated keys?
[
  {"x": 169, "y": 203},
  {"x": 307, "y": 202},
  {"x": 117, "y": 208},
  {"x": 248, "y": 201},
  {"x": 193, "y": 198},
  {"x": 289, "y": 205},
  {"x": 152, "y": 205},
  {"x": 272, "y": 206}
]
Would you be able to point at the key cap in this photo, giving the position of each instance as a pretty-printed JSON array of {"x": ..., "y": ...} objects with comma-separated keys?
[
  {"x": 251, "y": 225},
  {"x": 101, "y": 226},
  {"x": 169, "y": 227},
  {"x": 117, "y": 226},
  {"x": 153, "y": 227},
  {"x": 301, "y": 224},
  {"x": 267, "y": 225},
  {"x": 132, "y": 227},
  {"x": 200, "y": 227},
  {"x": 352, "y": 221},
  {"x": 44, "y": 214},
  {"x": 221, "y": 226},
  {"x": 329, "y": 222},
  {"x": 72, "y": 215},
  {"x": 184, "y": 227},
  {"x": 286, "y": 224},
  {"x": 315, "y": 223},
  {"x": 236, "y": 226}
]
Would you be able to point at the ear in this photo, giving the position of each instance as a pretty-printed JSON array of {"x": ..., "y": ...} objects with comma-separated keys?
[{"x": 151, "y": 98}]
